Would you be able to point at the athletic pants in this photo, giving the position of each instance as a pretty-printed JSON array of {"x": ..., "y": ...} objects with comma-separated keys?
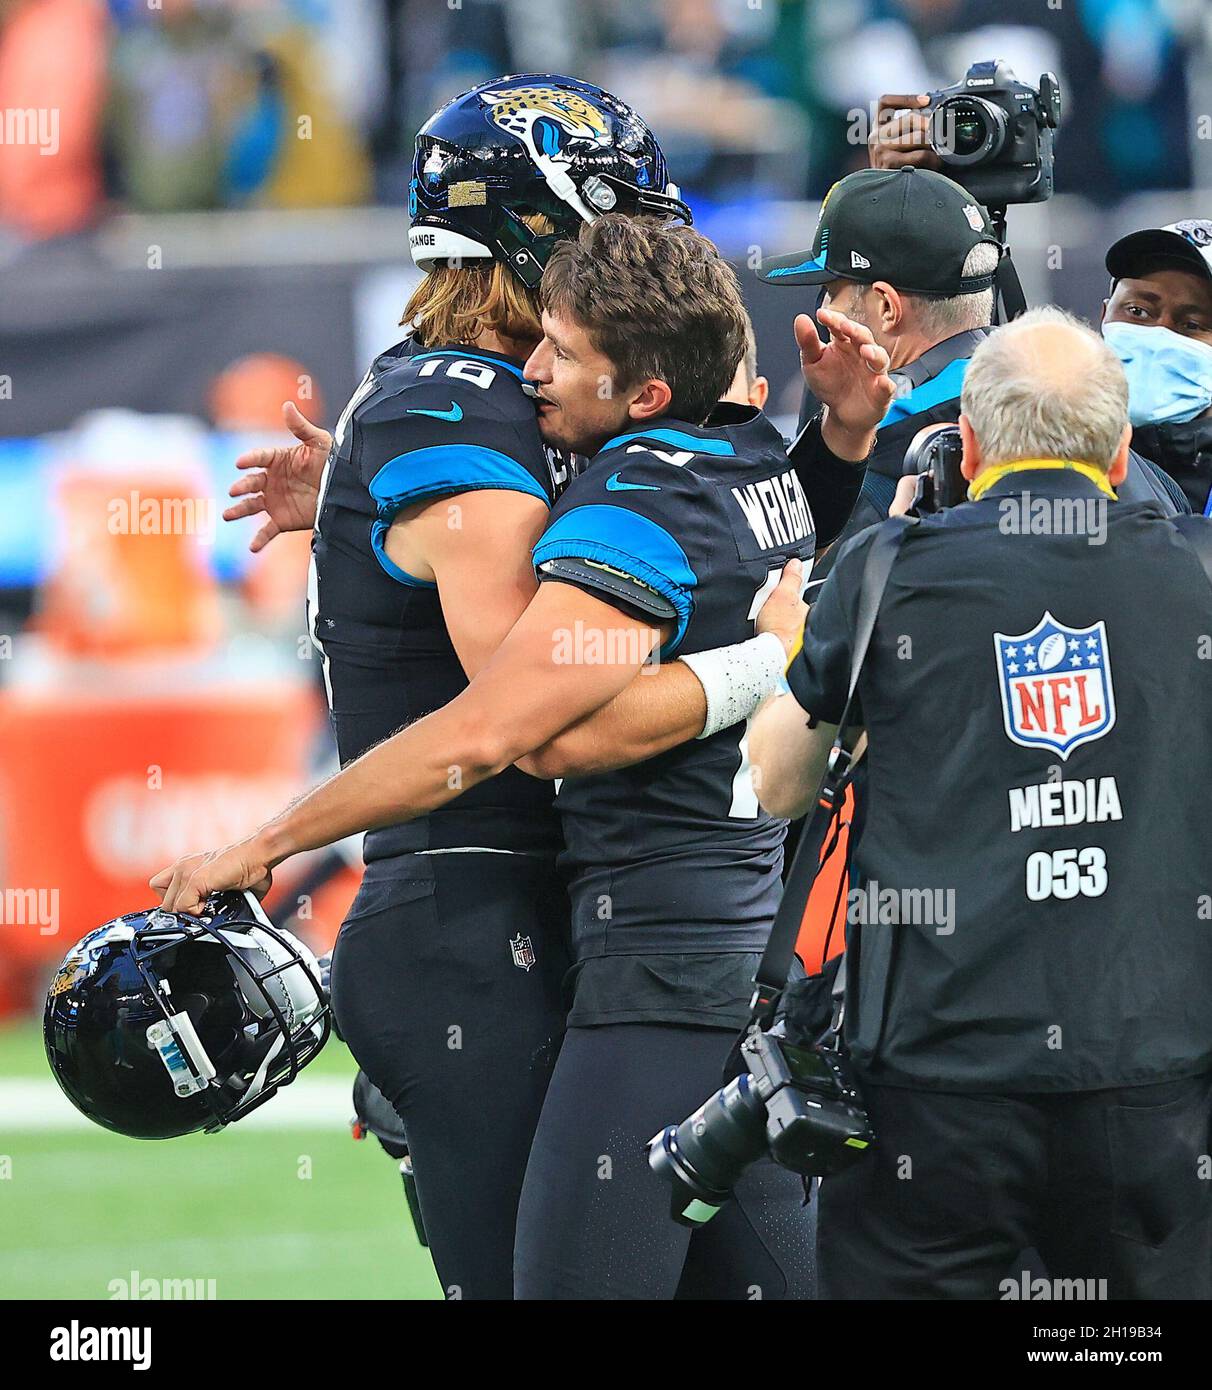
[
  {"x": 1106, "y": 1185},
  {"x": 594, "y": 1219},
  {"x": 433, "y": 994}
]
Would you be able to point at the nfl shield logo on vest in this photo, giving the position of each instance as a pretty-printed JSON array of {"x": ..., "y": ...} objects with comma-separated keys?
[
  {"x": 1056, "y": 685},
  {"x": 523, "y": 951}
]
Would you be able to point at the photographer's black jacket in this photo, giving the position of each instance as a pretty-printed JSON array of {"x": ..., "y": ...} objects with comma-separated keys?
[
  {"x": 1039, "y": 714},
  {"x": 846, "y": 500}
]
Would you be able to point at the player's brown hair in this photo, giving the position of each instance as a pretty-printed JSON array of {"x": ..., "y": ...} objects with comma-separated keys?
[
  {"x": 452, "y": 304},
  {"x": 658, "y": 301}
]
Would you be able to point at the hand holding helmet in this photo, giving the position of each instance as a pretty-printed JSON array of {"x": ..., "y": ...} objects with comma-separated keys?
[{"x": 160, "y": 1024}]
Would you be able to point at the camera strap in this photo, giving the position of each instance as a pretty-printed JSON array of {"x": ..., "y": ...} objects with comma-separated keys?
[
  {"x": 773, "y": 968},
  {"x": 1009, "y": 287}
]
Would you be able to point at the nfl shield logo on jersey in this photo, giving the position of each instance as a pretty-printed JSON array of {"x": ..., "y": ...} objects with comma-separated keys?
[
  {"x": 523, "y": 951},
  {"x": 1056, "y": 685}
]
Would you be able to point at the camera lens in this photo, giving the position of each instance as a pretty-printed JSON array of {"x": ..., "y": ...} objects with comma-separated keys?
[
  {"x": 968, "y": 130},
  {"x": 705, "y": 1155}
]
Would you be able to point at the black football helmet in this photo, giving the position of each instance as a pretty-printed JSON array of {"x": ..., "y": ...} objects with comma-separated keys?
[
  {"x": 159, "y": 1024},
  {"x": 527, "y": 144}
]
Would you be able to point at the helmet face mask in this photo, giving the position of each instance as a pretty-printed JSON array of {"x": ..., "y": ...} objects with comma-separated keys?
[
  {"x": 159, "y": 1024},
  {"x": 529, "y": 144}
]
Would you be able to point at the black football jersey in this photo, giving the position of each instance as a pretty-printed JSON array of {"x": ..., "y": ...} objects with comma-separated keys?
[
  {"x": 423, "y": 424},
  {"x": 674, "y": 854},
  {"x": 1029, "y": 903}
]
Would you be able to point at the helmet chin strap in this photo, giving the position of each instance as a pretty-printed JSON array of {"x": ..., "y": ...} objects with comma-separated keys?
[
  {"x": 257, "y": 1083},
  {"x": 560, "y": 183},
  {"x": 254, "y": 906},
  {"x": 555, "y": 176},
  {"x": 525, "y": 260}
]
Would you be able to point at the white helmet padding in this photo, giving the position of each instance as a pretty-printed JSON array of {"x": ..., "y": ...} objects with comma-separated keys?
[{"x": 432, "y": 246}]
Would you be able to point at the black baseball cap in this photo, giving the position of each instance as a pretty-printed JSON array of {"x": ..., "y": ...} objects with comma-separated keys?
[
  {"x": 1187, "y": 245},
  {"x": 910, "y": 227}
]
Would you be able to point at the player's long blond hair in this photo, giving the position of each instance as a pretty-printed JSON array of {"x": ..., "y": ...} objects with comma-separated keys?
[{"x": 455, "y": 306}]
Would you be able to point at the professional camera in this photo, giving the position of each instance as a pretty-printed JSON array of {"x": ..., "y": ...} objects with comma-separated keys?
[
  {"x": 798, "y": 1104},
  {"x": 934, "y": 455},
  {"x": 994, "y": 134}
]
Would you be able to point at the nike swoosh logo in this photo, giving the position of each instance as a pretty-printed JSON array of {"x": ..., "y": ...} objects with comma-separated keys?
[
  {"x": 613, "y": 485},
  {"x": 454, "y": 413}
]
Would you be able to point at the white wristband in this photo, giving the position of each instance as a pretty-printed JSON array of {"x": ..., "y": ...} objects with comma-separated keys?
[{"x": 737, "y": 679}]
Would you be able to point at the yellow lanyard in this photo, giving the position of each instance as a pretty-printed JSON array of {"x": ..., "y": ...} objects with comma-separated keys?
[{"x": 985, "y": 479}]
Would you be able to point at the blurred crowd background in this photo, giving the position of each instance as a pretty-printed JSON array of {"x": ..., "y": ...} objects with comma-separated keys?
[
  {"x": 187, "y": 105},
  {"x": 202, "y": 214}
]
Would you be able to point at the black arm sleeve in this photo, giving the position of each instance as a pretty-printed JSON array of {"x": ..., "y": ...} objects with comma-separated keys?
[{"x": 830, "y": 484}]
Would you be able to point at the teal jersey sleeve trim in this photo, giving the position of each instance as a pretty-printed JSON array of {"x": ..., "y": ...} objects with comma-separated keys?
[
  {"x": 378, "y": 543},
  {"x": 629, "y": 542},
  {"x": 948, "y": 384},
  {"x": 447, "y": 468},
  {"x": 680, "y": 439},
  {"x": 439, "y": 471}
]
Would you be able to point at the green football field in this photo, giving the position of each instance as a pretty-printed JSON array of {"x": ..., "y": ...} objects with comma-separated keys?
[{"x": 289, "y": 1207}]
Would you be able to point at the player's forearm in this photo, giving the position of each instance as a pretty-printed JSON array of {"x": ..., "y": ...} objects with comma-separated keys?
[
  {"x": 787, "y": 758},
  {"x": 852, "y": 445},
  {"x": 415, "y": 771},
  {"x": 658, "y": 711},
  {"x": 661, "y": 708},
  {"x": 523, "y": 698}
]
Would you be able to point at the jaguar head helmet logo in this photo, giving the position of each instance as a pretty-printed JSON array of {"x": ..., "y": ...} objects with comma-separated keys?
[{"x": 548, "y": 117}]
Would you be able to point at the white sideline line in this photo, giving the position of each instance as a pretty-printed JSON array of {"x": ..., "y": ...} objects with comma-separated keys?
[
  {"x": 30, "y": 1103},
  {"x": 279, "y": 1248}
]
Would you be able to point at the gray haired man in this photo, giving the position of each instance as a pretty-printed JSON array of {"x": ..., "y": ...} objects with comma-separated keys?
[{"x": 1038, "y": 1069}]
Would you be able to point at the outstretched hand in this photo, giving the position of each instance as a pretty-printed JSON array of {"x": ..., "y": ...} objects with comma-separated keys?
[{"x": 284, "y": 482}]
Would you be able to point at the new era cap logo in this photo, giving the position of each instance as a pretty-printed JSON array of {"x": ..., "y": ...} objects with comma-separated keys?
[
  {"x": 1196, "y": 230},
  {"x": 858, "y": 262}
]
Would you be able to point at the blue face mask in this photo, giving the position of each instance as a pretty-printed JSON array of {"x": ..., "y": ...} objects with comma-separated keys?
[{"x": 1169, "y": 376}]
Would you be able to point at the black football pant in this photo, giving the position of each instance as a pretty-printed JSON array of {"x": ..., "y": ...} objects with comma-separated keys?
[
  {"x": 459, "y": 1035},
  {"x": 1105, "y": 1185},
  {"x": 594, "y": 1219}
]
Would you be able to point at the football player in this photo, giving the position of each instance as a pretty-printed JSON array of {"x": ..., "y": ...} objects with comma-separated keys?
[
  {"x": 447, "y": 975},
  {"x": 671, "y": 540}
]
